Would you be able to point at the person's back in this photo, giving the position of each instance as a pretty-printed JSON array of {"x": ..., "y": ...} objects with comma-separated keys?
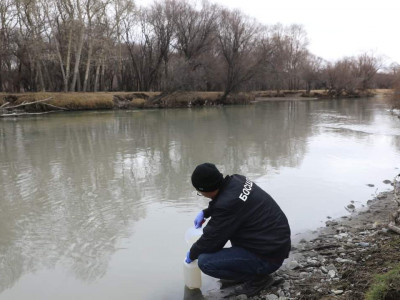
[{"x": 247, "y": 216}]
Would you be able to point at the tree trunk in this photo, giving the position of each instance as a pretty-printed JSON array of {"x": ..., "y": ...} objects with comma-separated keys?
[
  {"x": 40, "y": 76},
  {"x": 102, "y": 78},
  {"x": 65, "y": 72},
  {"x": 96, "y": 80},
  {"x": 87, "y": 71},
  {"x": 1, "y": 75},
  {"x": 77, "y": 61}
]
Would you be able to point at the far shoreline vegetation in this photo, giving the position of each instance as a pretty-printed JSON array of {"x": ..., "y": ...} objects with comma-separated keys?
[
  {"x": 43, "y": 102},
  {"x": 193, "y": 53}
]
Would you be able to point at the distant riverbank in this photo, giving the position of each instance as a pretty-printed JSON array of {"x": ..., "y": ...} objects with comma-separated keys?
[
  {"x": 43, "y": 102},
  {"x": 46, "y": 101}
]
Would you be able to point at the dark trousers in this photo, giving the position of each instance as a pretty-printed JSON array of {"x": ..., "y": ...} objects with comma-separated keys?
[{"x": 235, "y": 263}]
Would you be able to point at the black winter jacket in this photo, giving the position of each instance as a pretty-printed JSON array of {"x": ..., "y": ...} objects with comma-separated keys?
[{"x": 247, "y": 216}]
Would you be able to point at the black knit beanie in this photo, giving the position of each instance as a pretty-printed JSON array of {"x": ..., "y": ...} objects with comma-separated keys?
[{"x": 206, "y": 178}]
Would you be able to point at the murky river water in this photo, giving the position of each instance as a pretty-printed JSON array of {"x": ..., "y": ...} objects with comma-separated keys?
[{"x": 95, "y": 205}]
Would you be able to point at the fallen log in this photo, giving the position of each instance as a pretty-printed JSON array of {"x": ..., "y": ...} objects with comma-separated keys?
[
  {"x": 15, "y": 114},
  {"x": 27, "y": 103},
  {"x": 13, "y": 111}
]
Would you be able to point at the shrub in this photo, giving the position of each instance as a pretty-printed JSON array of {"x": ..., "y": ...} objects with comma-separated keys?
[{"x": 385, "y": 286}]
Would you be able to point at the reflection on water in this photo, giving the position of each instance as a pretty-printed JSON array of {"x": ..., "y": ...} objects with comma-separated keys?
[
  {"x": 83, "y": 193},
  {"x": 192, "y": 294}
]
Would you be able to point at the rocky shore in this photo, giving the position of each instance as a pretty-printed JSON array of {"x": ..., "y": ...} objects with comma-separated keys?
[{"x": 339, "y": 261}]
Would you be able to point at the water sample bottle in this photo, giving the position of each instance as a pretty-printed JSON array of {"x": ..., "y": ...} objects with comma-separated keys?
[
  {"x": 191, "y": 272},
  {"x": 192, "y": 275}
]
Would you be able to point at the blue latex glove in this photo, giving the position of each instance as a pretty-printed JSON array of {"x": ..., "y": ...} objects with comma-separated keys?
[
  {"x": 199, "y": 220},
  {"x": 188, "y": 260}
]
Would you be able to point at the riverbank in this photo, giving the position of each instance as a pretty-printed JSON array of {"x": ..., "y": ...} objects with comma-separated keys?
[
  {"x": 317, "y": 94},
  {"x": 33, "y": 102},
  {"x": 342, "y": 260}
]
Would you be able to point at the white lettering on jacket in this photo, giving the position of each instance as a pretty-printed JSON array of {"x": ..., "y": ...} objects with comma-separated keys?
[{"x": 246, "y": 190}]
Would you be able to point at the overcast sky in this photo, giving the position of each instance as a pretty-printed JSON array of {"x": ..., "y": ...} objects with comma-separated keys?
[{"x": 336, "y": 28}]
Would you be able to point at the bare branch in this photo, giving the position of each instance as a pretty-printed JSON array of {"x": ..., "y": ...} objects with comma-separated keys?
[{"x": 29, "y": 103}]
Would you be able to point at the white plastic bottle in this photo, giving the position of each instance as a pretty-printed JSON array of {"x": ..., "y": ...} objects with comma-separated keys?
[
  {"x": 192, "y": 275},
  {"x": 191, "y": 272}
]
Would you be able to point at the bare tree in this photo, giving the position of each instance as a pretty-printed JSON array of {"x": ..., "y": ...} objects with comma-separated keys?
[
  {"x": 84, "y": 45},
  {"x": 296, "y": 49},
  {"x": 194, "y": 37},
  {"x": 7, "y": 29},
  {"x": 311, "y": 68},
  {"x": 237, "y": 36},
  {"x": 340, "y": 77},
  {"x": 195, "y": 29},
  {"x": 60, "y": 16},
  {"x": 32, "y": 25},
  {"x": 278, "y": 72},
  {"x": 153, "y": 46},
  {"x": 367, "y": 68},
  {"x": 94, "y": 9}
]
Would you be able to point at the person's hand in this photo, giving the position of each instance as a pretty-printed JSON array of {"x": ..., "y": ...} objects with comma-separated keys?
[
  {"x": 199, "y": 220},
  {"x": 188, "y": 260}
]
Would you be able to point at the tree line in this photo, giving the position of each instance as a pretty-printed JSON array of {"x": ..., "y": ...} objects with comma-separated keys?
[{"x": 113, "y": 45}]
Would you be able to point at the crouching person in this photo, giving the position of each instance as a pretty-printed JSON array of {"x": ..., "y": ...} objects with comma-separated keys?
[{"x": 244, "y": 214}]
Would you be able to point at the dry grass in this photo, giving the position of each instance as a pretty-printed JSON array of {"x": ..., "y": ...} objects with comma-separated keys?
[
  {"x": 383, "y": 91},
  {"x": 110, "y": 100},
  {"x": 72, "y": 101}
]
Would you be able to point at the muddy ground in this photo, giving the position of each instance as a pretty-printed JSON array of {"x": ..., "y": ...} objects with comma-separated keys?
[{"x": 340, "y": 260}]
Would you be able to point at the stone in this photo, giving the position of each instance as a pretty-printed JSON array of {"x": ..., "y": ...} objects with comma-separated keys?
[
  {"x": 281, "y": 293},
  {"x": 331, "y": 223},
  {"x": 351, "y": 206},
  {"x": 345, "y": 261},
  {"x": 337, "y": 292},
  {"x": 387, "y": 181},
  {"x": 292, "y": 265},
  {"x": 313, "y": 262},
  {"x": 370, "y": 185},
  {"x": 272, "y": 297},
  {"x": 286, "y": 285},
  {"x": 363, "y": 244},
  {"x": 304, "y": 274},
  {"x": 331, "y": 273},
  {"x": 241, "y": 297},
  {"x": 341, "y": 236},
  {"x": 331, "y": 267}
]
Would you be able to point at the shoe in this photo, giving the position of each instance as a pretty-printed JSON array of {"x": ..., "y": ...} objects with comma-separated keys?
[
  {"x": 226, "y": 283},
  {"x": 253, "y": 287}
]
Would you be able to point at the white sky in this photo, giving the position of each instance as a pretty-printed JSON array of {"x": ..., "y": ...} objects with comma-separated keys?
[{"x": 336, "y": 28}]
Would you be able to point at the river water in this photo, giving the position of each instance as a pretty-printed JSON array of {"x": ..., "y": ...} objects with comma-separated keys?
[{"x": 94, "y": 205}]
